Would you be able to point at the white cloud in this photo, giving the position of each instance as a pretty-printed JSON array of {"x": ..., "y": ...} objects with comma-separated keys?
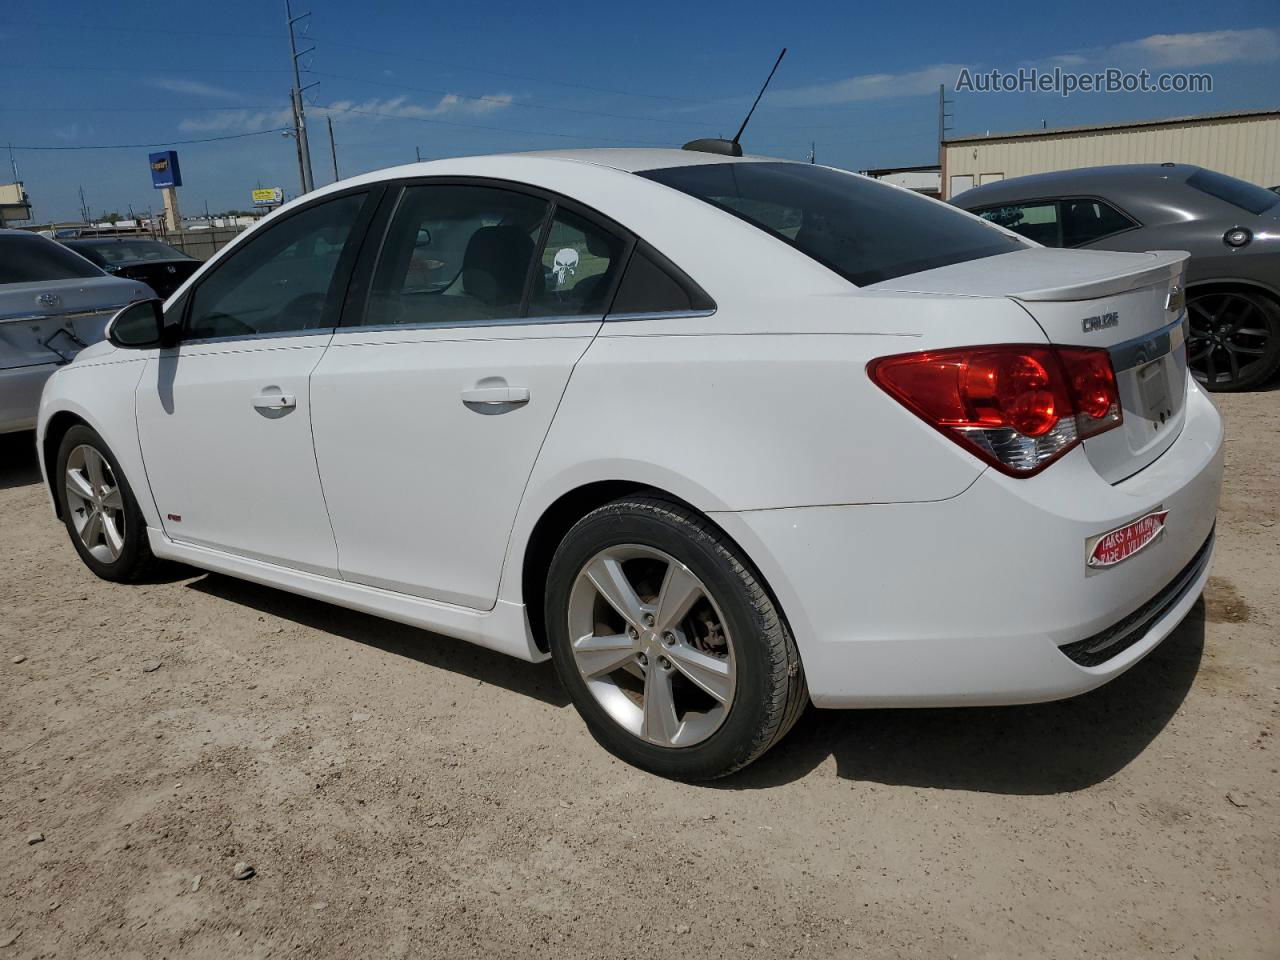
[
  {"x": 373, "y": 110},
  {"x": 1172, "y": 50},
  {"x": 1162, "y": 51},
  {"x": 869, "y": 86},
  {"x": 193, "y": 88}
]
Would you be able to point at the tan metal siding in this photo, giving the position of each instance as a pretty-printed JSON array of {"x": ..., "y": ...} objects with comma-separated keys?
[{"x": 1247, "y": 147}]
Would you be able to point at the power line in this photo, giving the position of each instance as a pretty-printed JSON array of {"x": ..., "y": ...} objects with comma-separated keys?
[
  {"x": 95, "y": 109},
  {"x": 163, "y": 143}
]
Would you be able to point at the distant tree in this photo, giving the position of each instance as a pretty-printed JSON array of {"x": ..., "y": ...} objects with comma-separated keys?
[{"x": 112, "y": 218}]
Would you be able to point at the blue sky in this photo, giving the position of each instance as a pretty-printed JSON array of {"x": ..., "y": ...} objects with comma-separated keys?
[{"x": 464, "y": 78}]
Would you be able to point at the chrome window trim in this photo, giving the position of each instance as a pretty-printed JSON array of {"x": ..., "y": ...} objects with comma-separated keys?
[
  {"x": 455, "y": 325},
  {"x": 67, "y": 316},
  {"x": 1149, "y": 346},
  {"x": 661, "y": 315},
  {"x": 253, "y": 337}
]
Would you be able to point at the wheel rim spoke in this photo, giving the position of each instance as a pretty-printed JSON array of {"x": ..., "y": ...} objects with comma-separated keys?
[
  {"x": 113, "y": 500},
  {"x": 710, "y": 673},
  {"x": 661, "y": 725},
  {"x": 607, "y": 576},
  {"x": 112, "y": 536},
  {"x": 597, "y": 655},
  {"x": 93, "y": 467},
  {"x": 78, "y": 485},
  {"x": 680, "y": 590},
  {"x": 92, "y": 530}
]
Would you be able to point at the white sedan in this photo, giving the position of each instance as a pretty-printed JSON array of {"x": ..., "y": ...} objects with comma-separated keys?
[{"x": 721, "y": 436}]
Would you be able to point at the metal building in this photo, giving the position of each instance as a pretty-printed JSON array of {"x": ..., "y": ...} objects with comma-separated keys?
[{"x": 1244, "y": 144}]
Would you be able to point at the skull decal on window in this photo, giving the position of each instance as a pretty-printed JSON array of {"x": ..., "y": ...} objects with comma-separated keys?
[{"x": 565, "y": 265}]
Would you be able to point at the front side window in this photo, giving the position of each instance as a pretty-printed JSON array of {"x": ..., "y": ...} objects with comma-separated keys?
[
  {"x": 30, "y": 258},
  {"x": 863, "y": 230},
  {"x": 1035, "y": 221},
  {"x": 457, "y": 254},
  {"x": 279, "y": 281}
]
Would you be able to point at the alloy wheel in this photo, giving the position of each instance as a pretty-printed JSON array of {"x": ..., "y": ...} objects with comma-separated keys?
[
  {"x": 651, "y": 645},
  {"x": 96, "y": 503},
  {"x": 1228, "y": 337}
]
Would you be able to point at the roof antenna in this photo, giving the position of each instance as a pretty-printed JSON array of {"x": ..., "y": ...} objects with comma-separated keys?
[{"x": 732, "y": 148}]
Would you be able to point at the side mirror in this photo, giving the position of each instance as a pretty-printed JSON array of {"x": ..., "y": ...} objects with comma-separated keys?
[{"x": 137, "y": 326}]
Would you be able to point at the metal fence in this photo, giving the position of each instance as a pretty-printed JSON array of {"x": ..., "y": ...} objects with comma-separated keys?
[{"x": 202, "y": 244}]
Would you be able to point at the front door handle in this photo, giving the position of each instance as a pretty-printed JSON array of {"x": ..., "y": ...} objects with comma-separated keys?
[
  {"x": 274, "y": 401},
  {"x": 495, "y": 396}
]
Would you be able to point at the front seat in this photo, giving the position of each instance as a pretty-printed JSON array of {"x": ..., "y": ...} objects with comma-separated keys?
[{"x": 494, "y": 268}]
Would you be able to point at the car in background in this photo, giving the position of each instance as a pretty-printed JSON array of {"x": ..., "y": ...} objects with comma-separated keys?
[
  {"x": 53, "y": 304},
  {"x": 1230, "y": 227},
  {"x": 717, "y": 435},
  {"x": 160, "y": 266}
]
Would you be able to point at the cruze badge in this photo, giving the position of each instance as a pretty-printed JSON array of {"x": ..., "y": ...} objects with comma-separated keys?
[
  {"x": 48, "y": 299},
  {"x": 1090, "y": 324}
]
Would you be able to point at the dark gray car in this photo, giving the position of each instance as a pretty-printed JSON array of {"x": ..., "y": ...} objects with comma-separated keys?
[{"x": 1231, "y": 229}]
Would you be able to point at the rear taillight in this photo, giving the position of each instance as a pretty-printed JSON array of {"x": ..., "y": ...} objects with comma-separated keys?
[{"x": 1018, "y": 407}]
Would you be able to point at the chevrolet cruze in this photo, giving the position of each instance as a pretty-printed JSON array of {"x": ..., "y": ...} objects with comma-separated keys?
[{"x": 720, "y": 436}]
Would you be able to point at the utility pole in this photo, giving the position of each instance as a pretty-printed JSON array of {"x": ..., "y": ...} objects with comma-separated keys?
[
  {"x": 299, "y": 114},
  {"x": 942, "y": 137},
  {"x": 333, "y": 150},
  {"x": 813, "y": 151},
  {"x": 418, "y": 152}
]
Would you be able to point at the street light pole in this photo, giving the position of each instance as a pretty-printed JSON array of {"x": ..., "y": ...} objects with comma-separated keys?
[
  {"x": 299, "y": 114},
  {"x": 333, "y": 150}
]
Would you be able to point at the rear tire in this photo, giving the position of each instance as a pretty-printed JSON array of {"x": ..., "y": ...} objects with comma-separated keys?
[
  {"x": 702, "y": 676},
  {"x": 99, "y": 509}
]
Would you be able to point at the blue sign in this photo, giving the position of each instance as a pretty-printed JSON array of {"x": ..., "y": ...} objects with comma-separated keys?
[{"x": 164, "y": 169}]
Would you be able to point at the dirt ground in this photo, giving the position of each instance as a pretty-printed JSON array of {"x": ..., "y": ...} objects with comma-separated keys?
[{"x": 404, "y": 795}]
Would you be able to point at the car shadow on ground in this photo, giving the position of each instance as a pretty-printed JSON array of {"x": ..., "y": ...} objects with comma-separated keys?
[
  {"x": 19, "y": 466},
  {"x": 536, "y": 680},
  {"x": 1043, "y": 748}
]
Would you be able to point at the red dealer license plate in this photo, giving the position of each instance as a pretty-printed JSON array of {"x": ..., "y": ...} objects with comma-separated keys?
[{"x": 1122, "y": 543}]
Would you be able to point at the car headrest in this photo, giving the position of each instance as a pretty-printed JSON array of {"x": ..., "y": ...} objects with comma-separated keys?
[{"x": 495, "y": 264}]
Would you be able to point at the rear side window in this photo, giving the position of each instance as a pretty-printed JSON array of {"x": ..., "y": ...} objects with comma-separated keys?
[
  {"x": 579, "y": 262},
  {"x": 1086, "y": 220},
  {"x": 651, "y": 285},
  {"x": 35, "y": 259},
  {"x": 457, "y": 254},
  {"x": 1238, "y": 193},
  {"x": 863, "y": 230},
  {"x": 1035, "y": 221}
]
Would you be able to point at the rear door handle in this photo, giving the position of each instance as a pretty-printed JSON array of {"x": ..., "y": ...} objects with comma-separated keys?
[
  {"x": 493, "y": 396},
  {"x": 274, "y": 401}
]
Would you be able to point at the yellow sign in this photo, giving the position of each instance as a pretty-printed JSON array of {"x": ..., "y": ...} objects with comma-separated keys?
[{"x": 268, "y": 197}]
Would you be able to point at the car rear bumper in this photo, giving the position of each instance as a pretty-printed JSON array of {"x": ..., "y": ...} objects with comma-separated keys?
[
  {"x": 20, "y": 395},
  {"x": 985, "y": 598}
]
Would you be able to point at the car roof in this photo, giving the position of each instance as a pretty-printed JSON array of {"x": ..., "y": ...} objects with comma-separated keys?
[
  {"x": 638, "y": 159},
  {"x": 1121, "y": 178}
]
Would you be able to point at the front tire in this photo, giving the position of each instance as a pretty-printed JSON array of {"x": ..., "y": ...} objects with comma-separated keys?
[
  {"x": 668, "y": 643},
  {"x": 99, "y": 509}
]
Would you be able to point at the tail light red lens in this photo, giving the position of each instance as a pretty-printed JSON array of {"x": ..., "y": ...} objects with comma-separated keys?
[{"x": 1018, "y": 407}]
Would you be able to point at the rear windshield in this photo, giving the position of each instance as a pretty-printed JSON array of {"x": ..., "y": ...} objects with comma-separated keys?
[
  {"x": 863, "y": 230},
  {"x": 1238, "y": 193},
  {"x": 125, "y": 251},
  {"x": 32, "y": 259}
]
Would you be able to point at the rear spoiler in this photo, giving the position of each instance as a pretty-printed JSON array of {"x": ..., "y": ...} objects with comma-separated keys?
[{"x": 1163, "y": 266}]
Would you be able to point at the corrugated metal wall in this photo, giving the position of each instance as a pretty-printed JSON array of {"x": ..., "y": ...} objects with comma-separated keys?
[{"x": 1244, "y": 147}]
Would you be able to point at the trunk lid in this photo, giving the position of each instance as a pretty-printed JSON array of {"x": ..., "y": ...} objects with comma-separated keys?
[
  {"x": 1129, "y": 303},
  {"x": 52, "y": 321}
]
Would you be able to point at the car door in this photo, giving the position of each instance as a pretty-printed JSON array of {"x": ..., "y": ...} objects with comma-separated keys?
[
  {"x": 224, "y": 417},
  {"x": 429, "y": 409}
]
